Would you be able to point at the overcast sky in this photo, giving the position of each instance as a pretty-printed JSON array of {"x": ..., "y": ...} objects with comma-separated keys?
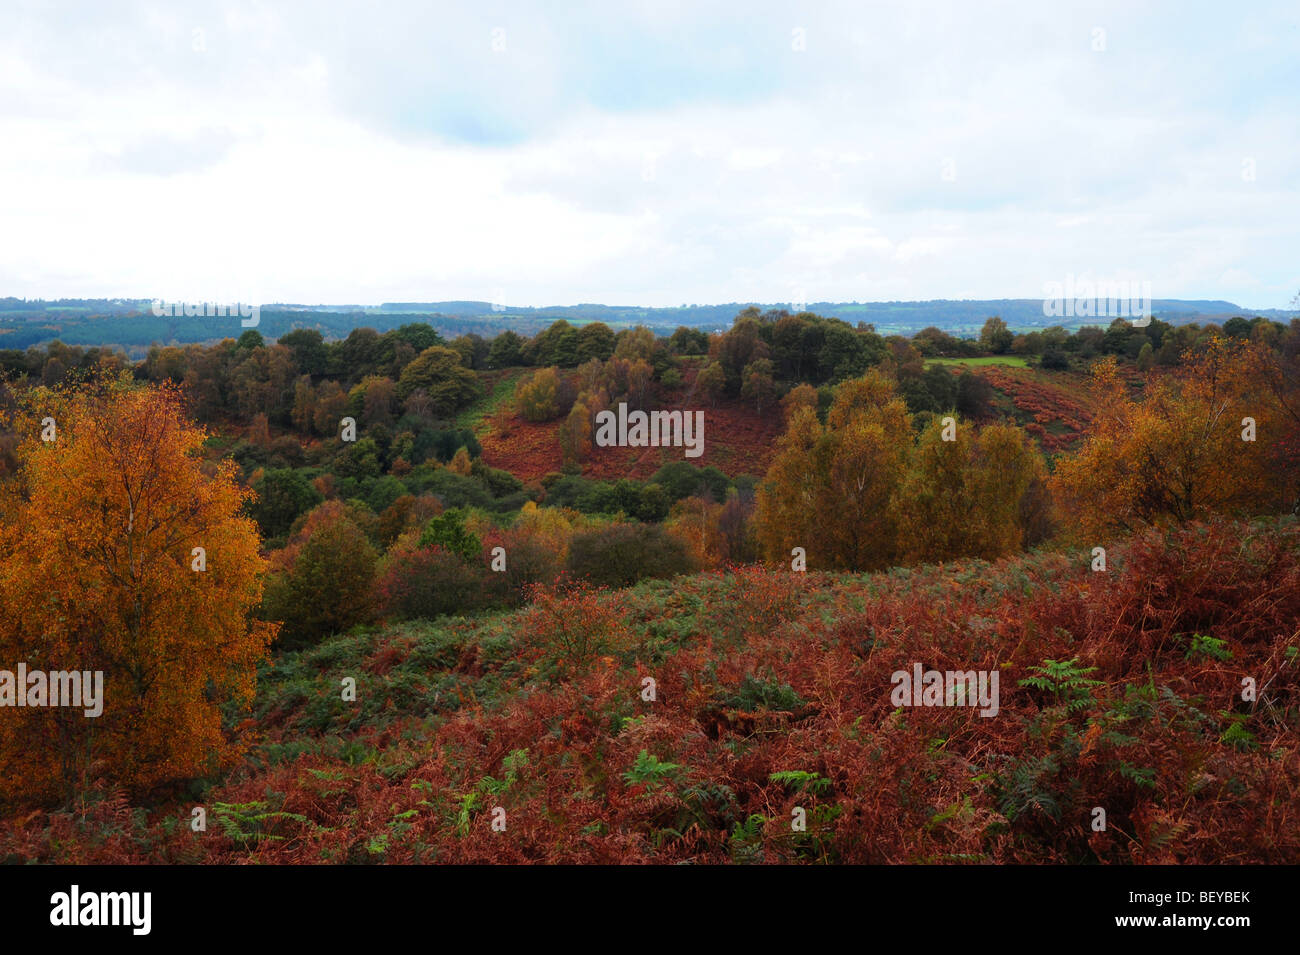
[{"x": 652, "y": 153}]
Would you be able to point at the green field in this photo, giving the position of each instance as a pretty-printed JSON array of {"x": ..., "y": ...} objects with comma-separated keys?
[
  {"x": 1015, "y": 360},
  {"x": 475, "y": 416}
]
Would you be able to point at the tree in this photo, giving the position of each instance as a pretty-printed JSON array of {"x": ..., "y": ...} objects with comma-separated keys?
[
  {"x": 427, "y": 581},
  {"x": 758, "y": 385},
  {"x": 962, "y": 498},
  {"x": 621, "y": 554},
  {"x": 639, "y": 376},
  {"x": 328, "y": 588},
  {"x": 304, "y": 404},
  {"x": 538, "y": 398},
  {"x": 829, "y": 488},
  {"x": 637, "y": 343},
  {"x": 1054, "y": 359},
  {"x": 711, "y": 381},
  {"x": 448, "y": 531},
  {"x": 439, "y": 373},
  {"x": 595, "y": 341},
  {"x": 557, "y": 345},
  {"x": 506, "y": 350},
  {"x": 1178, "y": 454},
  {"x": 380, "y": 395},
  {"x": 307, "y": 345},
  {"x": 460, "y": 462},
  {"x": 575, "y": 433},
  {"x": 801, "y": 396},
  {"x": 995, "y": 336},
  {"x": 974, "y": 395},
  {"x": 98, "y": 532},
  {"x": 737, "y": 348},
  {"x": 472, "y": 348},
  {"x": 688, "y": 341},
  {"x": 282, "y": 496},
  {"x": 420, "y": 336},
  {"x": 331, "y": 405}
]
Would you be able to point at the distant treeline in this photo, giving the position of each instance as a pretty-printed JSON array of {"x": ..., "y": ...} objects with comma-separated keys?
[{"x": 132, "y": 324}]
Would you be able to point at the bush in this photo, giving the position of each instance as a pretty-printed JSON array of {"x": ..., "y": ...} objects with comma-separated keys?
[
  {"x": 447, "y": 531},
  {"x": 282, "y": 496},
  {"x": 974, "y": 396},
  {"x": 383, "y": 492},
  {"x": 572, "y": 628},
  {"x": 453, "y": 490},
  {"x": 622, "y": 554},
  {"x": 427, "y": 581},
  {"x": 529, "y": 562},
  {"x": 645, "y": 502},
  {"x": 328, "y": 589},
  {"x": 1054, "y": 359},
  {"x": 538, "y": 398},
  {"x": 499, "y": 483},
  {"x": 682, "y": 479}
]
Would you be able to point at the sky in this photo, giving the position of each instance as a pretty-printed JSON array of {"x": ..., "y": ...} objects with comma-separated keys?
[{"x": 647, "y": 153}]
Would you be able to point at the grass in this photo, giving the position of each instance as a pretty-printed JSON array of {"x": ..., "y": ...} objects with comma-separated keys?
[
  {"x": 1014, "y": 360},
  {"x": 475, "y": 416}
]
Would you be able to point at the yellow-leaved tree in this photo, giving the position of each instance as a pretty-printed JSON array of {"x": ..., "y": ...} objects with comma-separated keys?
[
  {"x": 861, "y": 493},
  {"x": 829, "y": 487},
  {"x": 1198, "y": 442},
  {"x": 122, "y": 552},
  {"x": 966, "y": 497}
]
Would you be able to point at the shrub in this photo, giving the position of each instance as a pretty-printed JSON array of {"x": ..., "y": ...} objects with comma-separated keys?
[
  {"x": 537, "y": 399},
  {"x": 447, "y": 531},
  {"x": 622, "y": 554},
  {"x": 573, "y": 626},
  {"x": 282, "y": 496},
  {"x": 427, "y": 581},
  {"x": 328, "y": 589},
  {"x": 682, "y": 479}
]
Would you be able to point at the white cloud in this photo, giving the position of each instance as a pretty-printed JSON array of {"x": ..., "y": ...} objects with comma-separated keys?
[{"x": 339, "y": 153}]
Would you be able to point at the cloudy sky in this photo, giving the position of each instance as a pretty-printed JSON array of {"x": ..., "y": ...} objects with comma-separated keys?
[{"x": 652, "y": 153}]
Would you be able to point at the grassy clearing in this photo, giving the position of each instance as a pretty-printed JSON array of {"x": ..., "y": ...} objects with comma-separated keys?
[{"x": 476, "y": 416}]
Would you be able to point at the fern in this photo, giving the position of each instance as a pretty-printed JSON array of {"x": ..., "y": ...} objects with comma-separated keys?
[
  {"x": 1066, "y": 681},
  {"x": 1145, "y": 778},
  {"x": 1236, "y": 735},
  {"x": 801, "y": 781},
  {"x": 650, "y": 770},
  {"x": 1211, "y": 647},
  {"x": 252, "y": 822},
  {"x": 746, "y": 842}
]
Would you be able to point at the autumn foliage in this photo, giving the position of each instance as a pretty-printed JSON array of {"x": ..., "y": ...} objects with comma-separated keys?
[
  {"x": 859, "y": 492},
  {"x": 98, "y": 572},
  {"x": 1206, "y": 441}
]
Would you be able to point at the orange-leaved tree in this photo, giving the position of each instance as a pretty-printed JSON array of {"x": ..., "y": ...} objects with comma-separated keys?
[
  {"x": 1199, "y": 442},
  {"x": 122, "y": 552}
]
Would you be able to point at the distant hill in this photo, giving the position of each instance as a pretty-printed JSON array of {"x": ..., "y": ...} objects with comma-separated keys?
[{"x": 132, "y": 324}]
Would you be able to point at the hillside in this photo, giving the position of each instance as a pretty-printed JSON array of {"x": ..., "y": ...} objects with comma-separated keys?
[
  {"x": 130, "y": 323},
  {"x": 773, "y": 692},
  {"x": 737, "y": 439}
]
